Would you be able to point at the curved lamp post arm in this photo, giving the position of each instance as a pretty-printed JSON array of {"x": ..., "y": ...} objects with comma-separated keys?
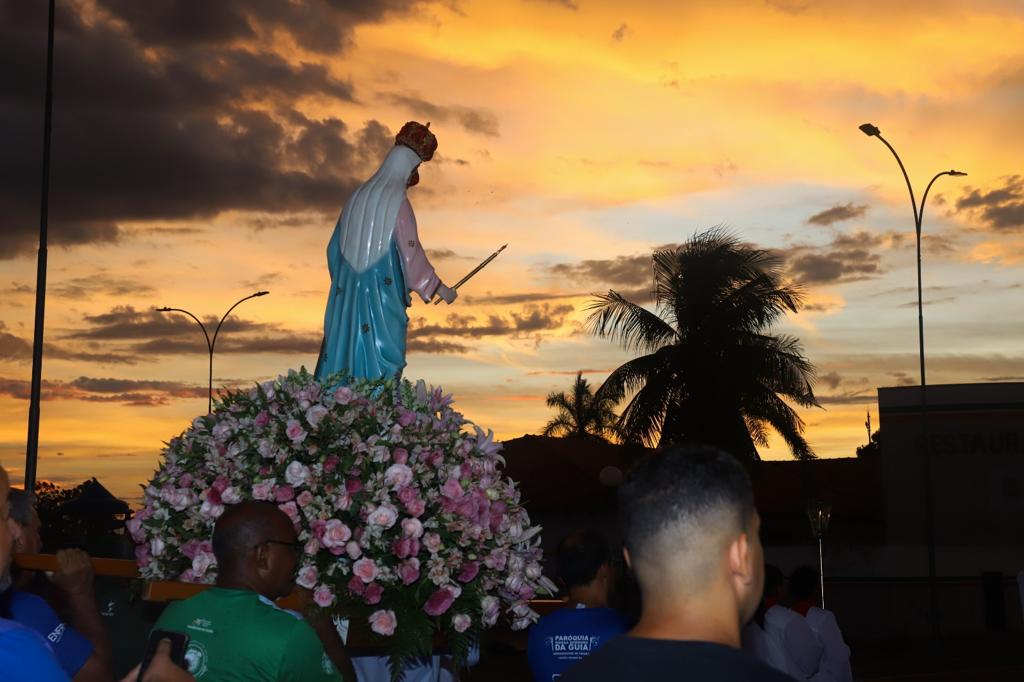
[
  {"x": 924, "y": 197},
  {"x": 237, "y": 303},
  {"x": 910, "y": 188},
  {"x": 202, "y": 326}
]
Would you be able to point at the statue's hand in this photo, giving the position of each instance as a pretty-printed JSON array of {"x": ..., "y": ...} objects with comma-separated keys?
[{"x": 447, "y": 294}]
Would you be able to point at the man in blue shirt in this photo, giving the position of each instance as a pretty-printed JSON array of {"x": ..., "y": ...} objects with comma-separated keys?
[
  {"x": 81, "y": 644},
  {"x": 563, "y": 638},
  {"x": 24, "y": 655}
]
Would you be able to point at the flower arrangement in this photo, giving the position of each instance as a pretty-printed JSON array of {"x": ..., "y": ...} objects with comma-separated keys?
[{"x": 406, "y": 522}]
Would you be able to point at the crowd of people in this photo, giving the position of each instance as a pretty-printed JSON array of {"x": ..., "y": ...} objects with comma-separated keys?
[{"x": 707, "y": 606}]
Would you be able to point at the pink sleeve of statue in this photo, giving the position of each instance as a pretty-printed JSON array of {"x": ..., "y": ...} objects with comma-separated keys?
[{"x": 419, "y": 273}]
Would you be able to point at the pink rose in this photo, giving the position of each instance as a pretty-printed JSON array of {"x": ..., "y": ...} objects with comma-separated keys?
[
  {"x": 383, "y": 622},
  {"x": 343, "y": 396},
  {"x": 353, "y": 549},
  {"x": 405, "y": 547},
  {"x": 186, "y": 480},
  {"x": 468, "y": 572},
  {"x": 398, "y": 475},
  {"x": 416, "y": 507},
  {"x": 296, "y": 434},
  {"x": 330, "y": 464},
  {"x": 384, "y": 516},
  {"x": 409, "y": 571},
  {"x": 220, "y": 483},
  {"x": 304, "y": 498},
  {"x": 406, "y": 417},
  {"x": 323, "y": 596},
  {"x": 412, "y": 528},
  {"x": 284, "y": 493},
  {"x": 407, "y": 494},
  {"x": 373, "y": 593},
  {"x": 315, "y": 414},
  {"x": 356, "y": 586},
  {"x": 365, "y": 569},
  {"x": 432, "y": 541},
  {"x": 336, "y": 534},
  {"x": 353, "y": 485},
  {"x": 451, "y": 488},
  {"x": 292, "y": 511},
  {"x": 312, "y": 547},
  {"x": 461, "y": 622},
  {"x": 400, "y": 456},
  {"x": 307, "y": 577},
  {"x": 442, "y": 600},
  {"x": 262, "y": 419}
]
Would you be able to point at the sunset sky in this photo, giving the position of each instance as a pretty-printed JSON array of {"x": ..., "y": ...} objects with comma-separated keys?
[{"x": 203, "y": 150}]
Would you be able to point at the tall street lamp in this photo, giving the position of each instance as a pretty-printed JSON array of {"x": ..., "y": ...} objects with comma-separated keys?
[
  {"x": 211, "y": 343},
  {"x": 872, "y": 131}
]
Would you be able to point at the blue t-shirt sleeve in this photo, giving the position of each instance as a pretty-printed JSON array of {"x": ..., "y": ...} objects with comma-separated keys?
[
  {"x": 70, "y": 647},
  {"x": 24, "y": 657}
]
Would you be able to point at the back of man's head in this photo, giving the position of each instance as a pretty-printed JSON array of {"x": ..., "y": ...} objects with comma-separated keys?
[
  {"x": 682, "y": 510},
  {"x": 580, "y": 556},
  {"x": 803, "y": 584},
  {"x": 241, "y": 528}
]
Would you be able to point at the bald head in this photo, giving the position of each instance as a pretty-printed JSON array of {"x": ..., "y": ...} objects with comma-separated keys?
[
  {"x": 680, "y": 510},
  {"x": 243, "y": 527}
]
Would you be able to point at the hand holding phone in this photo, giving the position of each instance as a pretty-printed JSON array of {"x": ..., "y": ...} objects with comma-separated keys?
[{"x": 165, "y": 658}]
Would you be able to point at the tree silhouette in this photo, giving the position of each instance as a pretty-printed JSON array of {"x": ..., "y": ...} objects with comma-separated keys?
[
  {"x": 580, "y": 413},
  {"x": 709, "y": 369}
]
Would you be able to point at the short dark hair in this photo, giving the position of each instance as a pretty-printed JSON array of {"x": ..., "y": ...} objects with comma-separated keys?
[
  {"x": 803, "y": 583},
  {"x": 580, "y": 555},
  {"x": 21, "y": 503},
  {"x": 683, "y": 487}
]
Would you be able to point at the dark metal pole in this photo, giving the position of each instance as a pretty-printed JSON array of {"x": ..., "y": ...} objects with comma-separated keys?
[
  {"x": 32, "y": 447},
  {"x": 933, "y": 615}
]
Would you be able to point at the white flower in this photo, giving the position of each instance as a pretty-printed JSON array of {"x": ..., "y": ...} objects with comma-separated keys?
[{"x": 297, "y": 474}]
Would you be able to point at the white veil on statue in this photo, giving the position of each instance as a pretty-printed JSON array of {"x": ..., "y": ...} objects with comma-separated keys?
[{"x": 369, "y": 216}]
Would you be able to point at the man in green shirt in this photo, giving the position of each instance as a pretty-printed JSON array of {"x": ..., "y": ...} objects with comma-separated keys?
[{"x": 236, "y": 631}]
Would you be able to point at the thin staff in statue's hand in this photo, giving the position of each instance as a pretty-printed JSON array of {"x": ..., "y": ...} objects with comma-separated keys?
[{"x": 475, "y": 270}]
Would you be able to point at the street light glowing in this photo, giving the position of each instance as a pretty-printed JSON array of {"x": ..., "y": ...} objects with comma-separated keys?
[{"x": 869, "y": 129}]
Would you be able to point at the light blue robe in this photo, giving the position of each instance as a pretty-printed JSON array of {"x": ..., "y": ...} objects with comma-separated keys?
[{"x": 365, "y": 321}]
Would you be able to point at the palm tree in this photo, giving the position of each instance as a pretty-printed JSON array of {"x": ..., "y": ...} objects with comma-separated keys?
[
  {"x": 581, "y": 414},
  {"x": 709, "y": 371}
]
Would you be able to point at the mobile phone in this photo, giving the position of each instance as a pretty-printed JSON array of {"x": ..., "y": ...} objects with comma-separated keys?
[{"x": 179, "y": 642}]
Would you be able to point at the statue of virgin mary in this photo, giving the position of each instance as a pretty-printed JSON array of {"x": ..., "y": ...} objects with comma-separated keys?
[{"x": 376, "y": 260}]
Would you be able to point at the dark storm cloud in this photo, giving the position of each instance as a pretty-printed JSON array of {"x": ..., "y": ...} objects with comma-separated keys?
[
  {"x": 435, "y": 346},
  {"x": 568, "y": 4},
  {"x": 1002, "y": 208},
  {"x": 140, "y": 393},
  {"x": 319, "y": 25},
  {"x": 632, "y": 276},
  {"x": 474, "y": 120},
  {"x": 837, "y": 214},
  {"x": 848, "y": 258},
  {"x": 530, "y": 319},
  {"x": 142, "y": 131},
  {"x": 86, "y": 287},
  {"x": 15, "y": 348}
]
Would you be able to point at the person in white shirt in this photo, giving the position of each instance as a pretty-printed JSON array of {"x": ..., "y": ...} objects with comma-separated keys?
[
  {"x": 779, "y": 636},
  {"x": 835, "y": 660}
]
